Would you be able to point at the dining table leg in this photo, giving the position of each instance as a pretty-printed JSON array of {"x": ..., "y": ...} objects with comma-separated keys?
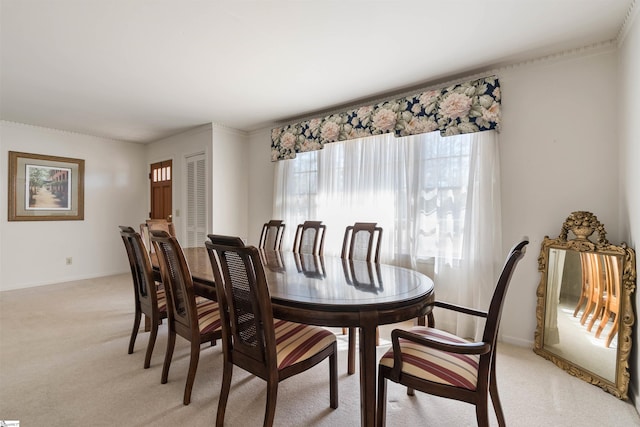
[{"x": 368, "y": 368}]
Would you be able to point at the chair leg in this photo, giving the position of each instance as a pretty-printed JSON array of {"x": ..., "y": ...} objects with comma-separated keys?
[
  {"x": 495, "y": 398},
  {"x": 605, "y": 319},
  {"x": 171, "y": 343},
  {"x": 134, "y": 332},
  {"x": 193, "y": 367},
  {"x": 333, "y": 377},
  {"x": 431, "y": 321},
  {"x": 597, "y": 314},
  {"x": 381, "y": 413},
  {"x": 147, "y": 323},
  {"x": 152, "y": 342},
  {"x": 579, "y": 305},
  {"x": 351, "y": 352},
  {"x": 586, "y": 312},
  {"x": 224, "y": 392},
  {"x": 272, "y": 396},
  {"x": 613, "y": 331},
  {"x": 482, "y": 414}
]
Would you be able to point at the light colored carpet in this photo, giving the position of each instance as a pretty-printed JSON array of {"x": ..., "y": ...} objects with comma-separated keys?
[{"x": 64, "y": 362}]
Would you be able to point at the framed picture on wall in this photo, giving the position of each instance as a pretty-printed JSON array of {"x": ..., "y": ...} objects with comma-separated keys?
[{"x": 45, "y": 188}]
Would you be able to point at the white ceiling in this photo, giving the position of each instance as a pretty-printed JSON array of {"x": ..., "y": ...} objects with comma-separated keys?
[{"x": 140, "y": 70}]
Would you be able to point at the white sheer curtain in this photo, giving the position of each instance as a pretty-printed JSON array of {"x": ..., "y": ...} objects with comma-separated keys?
[{"x": 437, "y": 199}]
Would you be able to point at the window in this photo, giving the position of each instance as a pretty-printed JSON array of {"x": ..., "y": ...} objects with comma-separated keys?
[
  {"x": 444, "y": 174},
  {"x": 414, "y": 187},
  {"x": 437, "y": 200}
]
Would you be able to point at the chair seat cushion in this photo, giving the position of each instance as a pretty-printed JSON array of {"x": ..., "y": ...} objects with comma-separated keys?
[
  {"x": 458, "y": 370},
  {"x": 208, "y": 316},
  {"x": 296, "y": 342}
]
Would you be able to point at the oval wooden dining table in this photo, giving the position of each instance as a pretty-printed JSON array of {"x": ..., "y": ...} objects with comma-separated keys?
[{"x": 331, "y": 291}]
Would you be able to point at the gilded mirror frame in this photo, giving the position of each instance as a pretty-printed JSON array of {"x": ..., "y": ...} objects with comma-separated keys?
[{"x": 583, "y": 224}]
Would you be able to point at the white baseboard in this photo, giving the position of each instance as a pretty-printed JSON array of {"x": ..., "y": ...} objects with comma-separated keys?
[
  {"x": 517, "y": 341},
  {"x": 55, "y": 282}
]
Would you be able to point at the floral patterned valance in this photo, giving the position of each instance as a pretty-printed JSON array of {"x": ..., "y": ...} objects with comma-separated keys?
[{"x": 468, "y": 107}]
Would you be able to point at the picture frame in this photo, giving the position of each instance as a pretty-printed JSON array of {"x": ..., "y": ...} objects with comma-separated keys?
[{"x": 45, "y": 188}]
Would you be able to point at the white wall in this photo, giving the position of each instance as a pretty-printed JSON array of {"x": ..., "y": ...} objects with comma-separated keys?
[
  {"x": 559, "y": 154},
  {"x": 262, "y": 171},
  {"x": 629, "y": 136},
  {"x": 230, "y": 182},
  {"x": 34, "y": 252}
]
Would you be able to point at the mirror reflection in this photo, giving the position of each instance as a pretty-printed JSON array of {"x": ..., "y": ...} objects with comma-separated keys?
[
  {"x": 310, "y": 265},
  {"x": 582, "y": 309},
  {"x": 363, "y": 275}
]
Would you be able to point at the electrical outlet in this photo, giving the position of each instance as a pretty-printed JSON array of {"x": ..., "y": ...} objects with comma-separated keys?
[{"x": 69, "y": 260}]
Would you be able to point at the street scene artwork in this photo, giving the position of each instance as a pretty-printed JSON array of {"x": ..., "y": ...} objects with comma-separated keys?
[
  {"x": 45, "y": 188},
  {"x": 48, "y": 188}
]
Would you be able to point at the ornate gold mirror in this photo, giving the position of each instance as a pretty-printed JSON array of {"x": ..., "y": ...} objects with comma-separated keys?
[{"x": 584, "y": 313}]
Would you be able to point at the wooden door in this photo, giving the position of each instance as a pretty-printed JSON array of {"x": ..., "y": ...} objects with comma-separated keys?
[{"x": 161, "y": 179}]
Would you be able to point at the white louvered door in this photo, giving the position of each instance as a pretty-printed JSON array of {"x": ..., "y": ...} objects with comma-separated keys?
[{"x": 196, "y": 201}]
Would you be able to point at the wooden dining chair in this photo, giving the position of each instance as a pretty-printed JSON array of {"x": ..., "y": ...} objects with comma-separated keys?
[
  {"x": 594, "y": 303},
  {"x": 309, "y": 238},
  {"x": 585, "y": 289},
  {"x": 161, "y": 224},
  {"x": 612, "y": 298},
  {"x": 599, "y": 292},
  {"x": 361, "y": 242},
  {"x": 149, "y": 299},
  {"x": 155, "y": 224},
  {"x": 436, "y": 362},
  {"x": 196, "y": 320},
  {"x": 252, "y": 339},
  {"x": 271, "y": 235}
]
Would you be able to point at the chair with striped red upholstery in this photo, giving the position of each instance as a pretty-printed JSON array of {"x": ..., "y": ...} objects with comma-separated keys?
[
  {"x": 193, "y": 318},
  {"x": 149, "y": 298},
  {"x": 442, "y": 364},
  {"x": 252, "y": 339}
]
